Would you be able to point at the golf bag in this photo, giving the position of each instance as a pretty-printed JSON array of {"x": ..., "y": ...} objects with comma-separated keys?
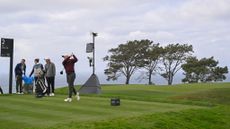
[{"x": 40, "y": 88}]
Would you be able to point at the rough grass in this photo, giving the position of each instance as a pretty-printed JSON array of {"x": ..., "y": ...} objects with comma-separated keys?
[
  {"x": 196, "y": 106},
  {"x": 215, "y": 96}
]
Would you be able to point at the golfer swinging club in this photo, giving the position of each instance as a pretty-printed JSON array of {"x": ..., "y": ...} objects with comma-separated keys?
[{"x": 68, "y": 64}]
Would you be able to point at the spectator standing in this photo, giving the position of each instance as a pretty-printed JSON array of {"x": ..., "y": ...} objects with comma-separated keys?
[
  {"x": 50, "y": 72},
  {"x": 38, "y": 70},
  {"x": 20, "y": 70}
]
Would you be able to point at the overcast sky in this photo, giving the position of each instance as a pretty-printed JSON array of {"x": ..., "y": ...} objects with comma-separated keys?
[{"x": 51, "y": 28}]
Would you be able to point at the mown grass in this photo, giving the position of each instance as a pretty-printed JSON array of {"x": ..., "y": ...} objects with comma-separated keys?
[
  {"x": 215, "y": 118},
  {"x": 190, "y": 106}
]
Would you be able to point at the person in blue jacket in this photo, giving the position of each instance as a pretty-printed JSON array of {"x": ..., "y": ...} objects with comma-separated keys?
[{"x": 20, "y": 70}]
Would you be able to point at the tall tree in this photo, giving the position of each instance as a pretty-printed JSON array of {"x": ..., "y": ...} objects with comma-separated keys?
[
  {"x": 203, "y": 70},
  {"x": 151, "y": 58},
  {"x": 124, "y": 60},
  {"x": 172, "y": 58}
]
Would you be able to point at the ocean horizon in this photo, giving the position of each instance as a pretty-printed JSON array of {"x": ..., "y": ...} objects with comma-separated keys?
[{"x": 60, "y": 80}]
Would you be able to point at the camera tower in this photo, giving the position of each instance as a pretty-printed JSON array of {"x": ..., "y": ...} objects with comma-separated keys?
[{"x": 92, "y": 85}]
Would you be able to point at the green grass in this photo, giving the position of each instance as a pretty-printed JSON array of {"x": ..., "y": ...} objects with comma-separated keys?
[{"x": 187, "y": 106}]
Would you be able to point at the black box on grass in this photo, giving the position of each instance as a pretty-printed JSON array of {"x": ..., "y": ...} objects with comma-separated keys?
[{"x": 115, "y": 102}]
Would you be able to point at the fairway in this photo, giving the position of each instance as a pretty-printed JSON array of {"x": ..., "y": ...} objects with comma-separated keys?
[{"x": 26, "y": 111}]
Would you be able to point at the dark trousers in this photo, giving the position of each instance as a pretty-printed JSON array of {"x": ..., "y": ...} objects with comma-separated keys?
[
  {"x": 1, "y": 92},
  {"x": 50, "y": 84},
  {"x": 70, "y": 80},
  {"x": 19, "y": 83}
]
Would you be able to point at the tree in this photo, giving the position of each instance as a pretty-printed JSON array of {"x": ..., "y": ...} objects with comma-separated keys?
[
  {"x": 124, "y": 60},
  {"x": 203, "y": 70},
  {"x": 151, "y": 58},
  {"x": 218, "y": 73},
  {"x": 172, "y": 57},
  {"x": 192, "y": 70}
]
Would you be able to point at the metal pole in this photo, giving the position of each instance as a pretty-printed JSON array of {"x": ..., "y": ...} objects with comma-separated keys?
[
  {"x": 94, "y": 35},
  {"x": 11, "y": 69},
  {"x": 93, "y": 54}
]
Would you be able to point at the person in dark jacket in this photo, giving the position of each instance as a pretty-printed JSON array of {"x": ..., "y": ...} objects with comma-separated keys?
[
  {"x": 20, "y": 70},
  {"x": 68, "y": 63}
]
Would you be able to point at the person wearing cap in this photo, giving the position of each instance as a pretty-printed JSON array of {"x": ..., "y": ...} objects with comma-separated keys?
[
  {"x": 20, "y": 70},
  {"x": 68, "y": 63},
  {"x": 50, "y": 72}
]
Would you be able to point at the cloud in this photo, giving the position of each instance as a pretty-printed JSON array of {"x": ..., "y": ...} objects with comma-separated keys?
[
  {"x": 52, "y": 28},
  {"x": 137, "y": 35},
  {"x": 205, "y": 10}
]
